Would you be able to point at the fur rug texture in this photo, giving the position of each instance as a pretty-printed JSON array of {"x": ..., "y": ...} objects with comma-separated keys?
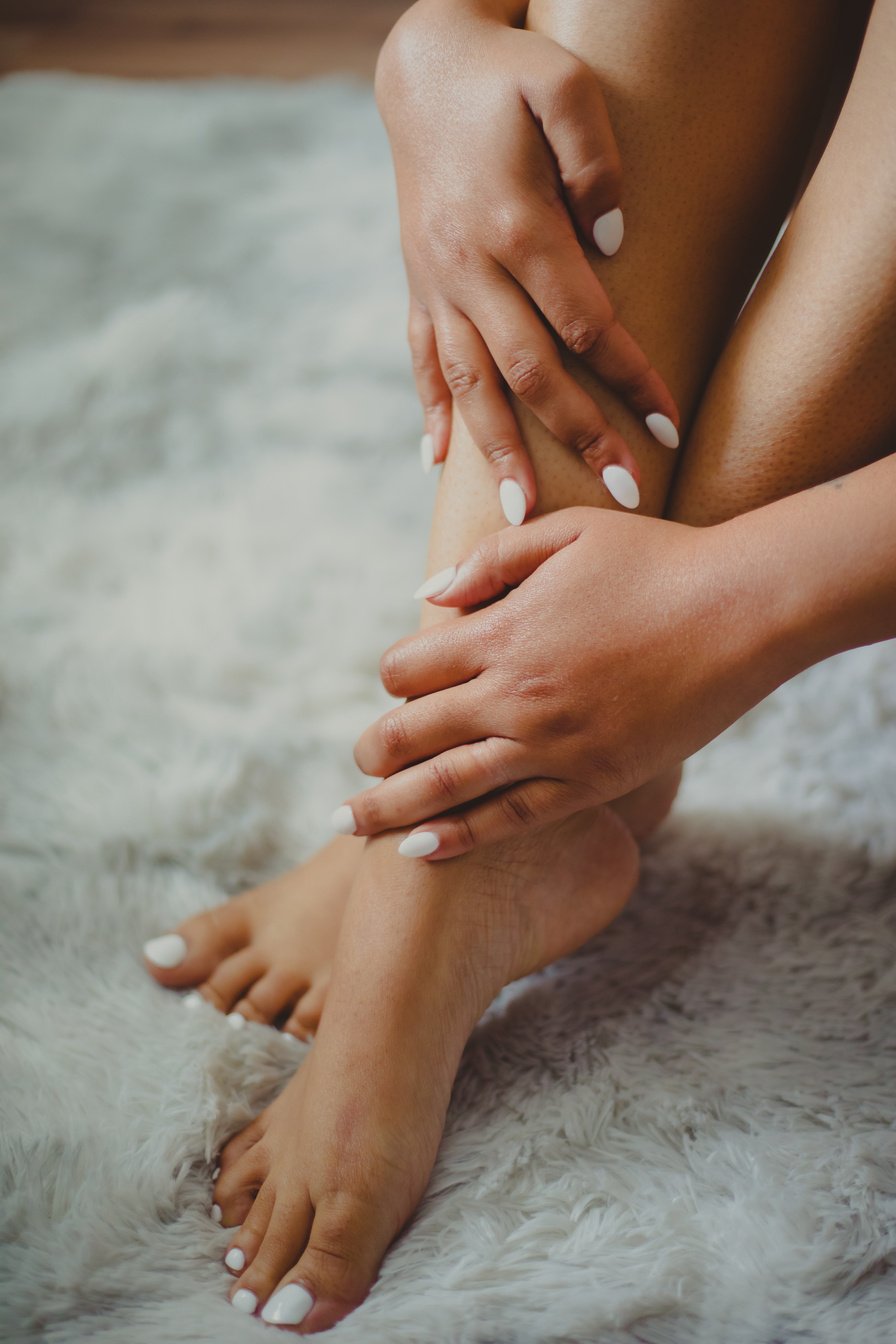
[{"x": 212, "y": 519}]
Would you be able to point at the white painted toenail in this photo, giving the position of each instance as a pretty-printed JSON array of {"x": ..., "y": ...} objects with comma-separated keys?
[
  {"x": 235, "y": 1259},
  {"x": 662, "y": 429},
  {"x": 343, "y": 820},
  {"x": 216, "y": 1173},
  {"x": 418, "y": 845},
  {"x": 622, "y": 486},
  {"x": 513, "y": 501},
  {"x": 193, "y": 999},
  {"x": 236, "y": 1020},
  {"x": 244, "y": 1300},
  {"x": 289, "y": 1305},
  {"x": 608, "y": 232},
  {"x": 217, "y": 1215},
  {"x": 167, "y": 951}
]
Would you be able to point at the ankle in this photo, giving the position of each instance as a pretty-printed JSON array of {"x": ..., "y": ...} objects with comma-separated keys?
[{"x": 645, "y": 808}]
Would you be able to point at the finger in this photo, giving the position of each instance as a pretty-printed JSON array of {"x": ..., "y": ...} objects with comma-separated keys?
[
  {"x": 481, "y": 397},
  {"x": 568, "y": 102},
  {"x": 530, "y": 363},
  {"x": 522, "y": 807},
  {"x": 434, "y": 659},
  {"x": 560, "y": 281},
  {"x": 431, "y": 386},
  {"x": 435, "y": 786},
  {"x": 418, "y": 730},
  {"x": 499, "y": 562}
]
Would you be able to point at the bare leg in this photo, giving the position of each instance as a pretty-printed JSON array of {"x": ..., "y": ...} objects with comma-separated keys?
[{"x": 342, "y": 1156}]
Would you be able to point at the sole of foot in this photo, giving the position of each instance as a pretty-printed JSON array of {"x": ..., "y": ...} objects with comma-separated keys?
[
  {"x": 323, "y": 1181},
  {"x": 264, "y": 956}
]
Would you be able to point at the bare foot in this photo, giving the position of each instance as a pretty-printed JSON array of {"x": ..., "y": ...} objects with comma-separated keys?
[
  {"x": 265, "y": 955},
  {"x": 327, "y": 1176}
]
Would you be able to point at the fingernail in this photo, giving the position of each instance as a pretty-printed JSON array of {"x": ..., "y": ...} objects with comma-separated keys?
[
  {"x": 662, "y": 429},
  {"x": 418, "y": 845},
  {"x": 427, "y": 453},
  {"x": 289, "y": 1305},
  {"x": 236, "y": 1020},
  {"x": 608, "y": 231},
  {"x": 343, "y": 820},
  {"x": 513, "y": 501},
  {"x": 217, "y": 1215},
  {"x": 167, "y": 951},
  {"x": 244, "y": 1300},
  {"x": 622, "y": 486},
  {"x": 236, "y": 1260},
  {"x": 437, "y": 584},
  {"x": 193, "y": 999},
  {"x": 216, "y": 1173}
]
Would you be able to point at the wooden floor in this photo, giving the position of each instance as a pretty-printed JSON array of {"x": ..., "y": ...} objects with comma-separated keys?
[{"x": 183, "y": 39}]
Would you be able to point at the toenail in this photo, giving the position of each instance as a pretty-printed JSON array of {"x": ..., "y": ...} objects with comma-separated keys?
[
  {"x": 244, "y": 1300},
  {"x": 236, "y": 1020},
  {"x": 216, "y": 1173},
  {"x": 167, "y": 951},
  {"x": 193, "y": 999},
  {"x": 343, "y": 820},
  {"x": 217, "y": 1215},
  {"x": 235, "y": 1259},
  {"x": 418, "y": 845},
  {"x": 289, "y": 1305}
]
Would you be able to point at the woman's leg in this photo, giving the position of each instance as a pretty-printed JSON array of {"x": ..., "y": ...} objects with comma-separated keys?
[{"x": 342, "y": 1156}]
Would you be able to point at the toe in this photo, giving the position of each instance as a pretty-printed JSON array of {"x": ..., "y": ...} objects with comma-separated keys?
[
  {"x": 305, "y": 1017},
  {"x": 237, "y": 1187},
  {"x": 346, "y": 1244},
  {"x": 271, "y": 1239},
  {"x": 231, "y": 978},
  {"x": 240, "y": 1143},
  {"x": 190, "y": 953},
  {"x": 270, "y": 997}
]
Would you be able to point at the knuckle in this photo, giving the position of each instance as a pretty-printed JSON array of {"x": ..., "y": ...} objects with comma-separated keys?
[
  {"x": 526, "y": 375},
  {"x": 584, "y": 336},
  {"x": 462, "y": 378},
  {"x": 391, "y": 667},
  {"x": 394, "y": 736},
  {"x": 443, "y": 781},
  {"x": 514, "y": 232},
  {"x": 499, "y": 452},
  {"x": 461, "y": 835},
  {"x": 516, "y": 809},
  {"x": 592, "y": 443}
]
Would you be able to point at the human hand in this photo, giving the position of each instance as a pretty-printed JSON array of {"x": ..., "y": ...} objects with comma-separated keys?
[
  {"x": 503, "y": 149},
  {"x": 619, "y": 645}
]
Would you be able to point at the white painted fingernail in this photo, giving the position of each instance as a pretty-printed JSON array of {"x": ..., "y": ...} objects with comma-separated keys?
[
  {"x": 217, "y": 1215},
  {"x": 236, "y": 1020},
  {"x": 289, "y": 1305},
  {"x": 662, "y": 429},
  {"x": 513, "y": 501},
  {"x": 427, "y": 453},
  {"x": 343, "y": 820},
  {"x": 167, "y": 951},
  {"x": 236, "y": 1260},
  {"x": 244, "y": 1300},
  {"x": 608, "y": 231},
  {"x": 437, "y": 584},
  {"x": 216, "y": 1173},
  {"x": 418, "y": 845},
  {"x": 622, "y": 486}
]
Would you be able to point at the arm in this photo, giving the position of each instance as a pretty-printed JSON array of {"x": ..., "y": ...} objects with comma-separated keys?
[{"x": 620, "y": 646}]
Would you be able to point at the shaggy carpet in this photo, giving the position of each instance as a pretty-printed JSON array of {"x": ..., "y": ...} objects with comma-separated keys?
[{"x": 212, "y": 520}]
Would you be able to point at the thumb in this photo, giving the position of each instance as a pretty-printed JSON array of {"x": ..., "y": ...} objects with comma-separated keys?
[
  {"x": 569, "y": 104},
  {"x": 502, "y": 561}
]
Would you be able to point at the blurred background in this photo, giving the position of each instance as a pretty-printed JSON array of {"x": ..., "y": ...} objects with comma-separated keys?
[{"x": 188, "y": 39}]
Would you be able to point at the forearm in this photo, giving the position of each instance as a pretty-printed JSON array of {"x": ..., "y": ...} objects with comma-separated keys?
[{"x": 813, "y": 574}]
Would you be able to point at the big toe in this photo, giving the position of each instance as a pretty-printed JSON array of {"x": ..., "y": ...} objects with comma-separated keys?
[
  {"x": 313, "y": 1267},
  {"x": 190, "y": 953}
]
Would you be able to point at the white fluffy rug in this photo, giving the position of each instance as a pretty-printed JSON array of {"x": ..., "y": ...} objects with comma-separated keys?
[{"x": 211, "y": 522}]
